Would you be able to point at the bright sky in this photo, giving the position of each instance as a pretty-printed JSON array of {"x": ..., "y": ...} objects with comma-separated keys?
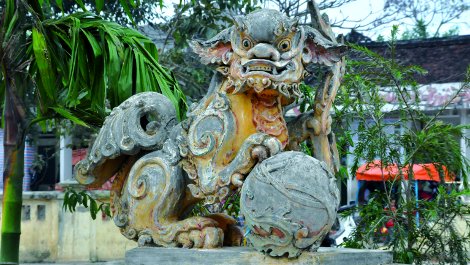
[
  {"x": 361, "y": 9},
  {"x": 365, "y": 10}
]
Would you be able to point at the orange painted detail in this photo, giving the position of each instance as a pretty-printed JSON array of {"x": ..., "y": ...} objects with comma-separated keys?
[
  {"x": 240, "y": 104},
  {"x": 267, "y": 115},
  {"x": 253, "y": 113},
  {"x": 118, "y": 182}
]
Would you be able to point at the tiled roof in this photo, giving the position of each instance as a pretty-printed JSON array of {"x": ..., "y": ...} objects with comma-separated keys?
[{"x": 445, "y": 59}]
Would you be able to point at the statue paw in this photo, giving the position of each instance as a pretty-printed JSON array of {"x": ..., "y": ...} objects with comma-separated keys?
[
  {"x": 208, "y": 237},
  {"x": 255, "y": 149},
  {"x": 233, "y": 234},
  {"x": 269, "y": 147}
]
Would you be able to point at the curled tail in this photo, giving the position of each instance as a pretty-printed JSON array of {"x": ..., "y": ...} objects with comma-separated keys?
[{"x": 140, "y": 124}]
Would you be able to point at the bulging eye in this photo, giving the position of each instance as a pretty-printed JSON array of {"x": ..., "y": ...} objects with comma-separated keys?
[
  {"x": 247, "y": 44},
  {"x": 284, "y": 45}
]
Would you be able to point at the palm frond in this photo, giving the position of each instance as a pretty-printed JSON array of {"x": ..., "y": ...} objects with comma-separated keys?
[{"x": 83, "y": 62}]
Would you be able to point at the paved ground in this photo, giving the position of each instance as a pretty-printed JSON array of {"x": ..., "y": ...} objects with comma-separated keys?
[{"x": 116, "y": 262}]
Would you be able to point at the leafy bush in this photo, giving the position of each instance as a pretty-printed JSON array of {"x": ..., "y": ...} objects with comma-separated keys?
[{"x": 422, "y": 230}]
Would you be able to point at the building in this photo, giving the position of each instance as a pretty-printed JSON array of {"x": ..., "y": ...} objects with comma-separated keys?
[{"x": 446, "y": 60}]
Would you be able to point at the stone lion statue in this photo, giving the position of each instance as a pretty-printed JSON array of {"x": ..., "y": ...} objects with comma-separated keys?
[{"x": 162, "y": 168}]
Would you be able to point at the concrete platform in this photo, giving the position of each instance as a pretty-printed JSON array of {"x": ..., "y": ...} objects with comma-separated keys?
[{"x": 244, "y": 255}]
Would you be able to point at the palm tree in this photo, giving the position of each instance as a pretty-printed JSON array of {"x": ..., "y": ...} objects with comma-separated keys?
[{"x": 74, "y": 67}]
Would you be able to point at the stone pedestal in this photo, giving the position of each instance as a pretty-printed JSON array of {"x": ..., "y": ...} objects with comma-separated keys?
[{"x": 245, "y": 255}]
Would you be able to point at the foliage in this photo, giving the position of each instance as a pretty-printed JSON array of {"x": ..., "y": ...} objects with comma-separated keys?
[
  {"x": 92, "y": 64},
  {"x": 230, "y": 206},
  {"x": 72, "y": 199},
  {"x": 119, "y": 11},
  {"x": 402, "y": 134},
  {"x": 430, "y": 14},
  {"x": 75, "y": 67},
  {"x": 203, "y": 19},
  {"x": 420, "y": 31}
]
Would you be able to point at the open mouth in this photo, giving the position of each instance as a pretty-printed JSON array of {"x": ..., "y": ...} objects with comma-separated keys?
[{"x": 265, "y": 66}]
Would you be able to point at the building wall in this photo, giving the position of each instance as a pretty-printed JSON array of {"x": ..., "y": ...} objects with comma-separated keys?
[{"x": 50, "y": 234}]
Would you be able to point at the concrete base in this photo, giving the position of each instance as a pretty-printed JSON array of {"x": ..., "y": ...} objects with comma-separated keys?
[{"x": 245, "y": 255}]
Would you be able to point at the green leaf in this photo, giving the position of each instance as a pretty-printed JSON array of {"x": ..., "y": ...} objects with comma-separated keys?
[
  {"x": 93, "y": 209},
  {"x": 60, "y": 5},
  {"x": 66, "y": 114},
  {"x": 107, "y": 210},
  {"x": 81, "y": 5},
  {"x": 113, "y": 69},
  {"x": 99, "y": 5},
  {"x": 96, "y": 47},
  {"x": 125, "y": 79},
  {"x": 66, "y": 200},
  {"x": 43, "y": 62},
  {"x": 74, "y": 60},
  {"x": 127, "y": 10},
  {"x": 11, "y": 25},
  {"x": 85, "y": 201}
]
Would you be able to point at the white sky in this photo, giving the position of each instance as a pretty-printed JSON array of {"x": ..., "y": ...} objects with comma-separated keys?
[
  {"x": 366, "y": 10},
  {"x": 360, "y": 10}
]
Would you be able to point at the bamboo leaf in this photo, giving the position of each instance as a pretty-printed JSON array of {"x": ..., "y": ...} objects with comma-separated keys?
[
  {"x": 60, "y": 5},
  {"x": 99, "y": 5},
  {"x": 43, "y": 62},
  {"x": 125, "y": 79},
  {"x": 93, "y": 43},
  {"x": 127, "y": 10},
  {"x": 11, "y": 25},
  {"x": 134, "y": 4},
  {"x": 73, "y": 72},
  {"x": 81, "y": 5},
  {"x": 113, "y": 68},
  {"x": 66, "y": 114}
]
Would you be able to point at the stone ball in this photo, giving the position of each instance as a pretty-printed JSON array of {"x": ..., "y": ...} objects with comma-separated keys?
[{"x": 289, "y": 202}]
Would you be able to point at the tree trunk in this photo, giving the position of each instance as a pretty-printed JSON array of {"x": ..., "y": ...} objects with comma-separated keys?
[{"x": 12, "y": 179}]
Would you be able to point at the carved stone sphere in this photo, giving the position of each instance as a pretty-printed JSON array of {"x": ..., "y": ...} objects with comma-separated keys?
[{"x": 289, "y": 202}]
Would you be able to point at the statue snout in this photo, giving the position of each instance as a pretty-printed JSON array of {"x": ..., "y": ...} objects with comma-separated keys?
[{"x": 264, "y": 51}]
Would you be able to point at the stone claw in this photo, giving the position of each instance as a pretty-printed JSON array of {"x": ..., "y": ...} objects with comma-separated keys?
[
  {"x": 237, "y": 179},
  {"x": 273, "y": 145},
  {"x": 207, "y": 237}
]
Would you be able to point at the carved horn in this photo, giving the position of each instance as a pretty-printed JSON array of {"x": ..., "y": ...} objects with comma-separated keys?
[
  {"x": 293, "y": 24},
  {"x": 319, "y": 49},
  {"x": 215, "y": 50},
  {"x": 320, "y": 23}
]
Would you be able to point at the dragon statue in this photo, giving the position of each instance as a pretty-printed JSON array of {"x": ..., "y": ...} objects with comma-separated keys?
[{"x": 162, "y": 168}]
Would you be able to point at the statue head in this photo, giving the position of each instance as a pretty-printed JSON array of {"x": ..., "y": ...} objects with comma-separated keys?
[{"x": 266, "y": 50}]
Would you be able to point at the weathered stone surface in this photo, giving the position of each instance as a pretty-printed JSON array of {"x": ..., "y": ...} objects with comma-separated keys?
[
  {"x": 289, "y": 202},
  {"x": 162, "y": 169},
  {"x": 246, "y": 256}
]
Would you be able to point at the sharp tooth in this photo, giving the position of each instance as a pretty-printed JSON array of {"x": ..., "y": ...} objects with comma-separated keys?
[
  {"x": 229, "y": 82},
  {"x": 283, "y": 89},
  {"x": 238, "y": 86},
  {"x": 296, "y": 90},
  {"x": 258, "y": 89},
  {"x": 266, "y": 82},
  {"x": 274, "y": 70},
  {"x": 223, "y": 70}
]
